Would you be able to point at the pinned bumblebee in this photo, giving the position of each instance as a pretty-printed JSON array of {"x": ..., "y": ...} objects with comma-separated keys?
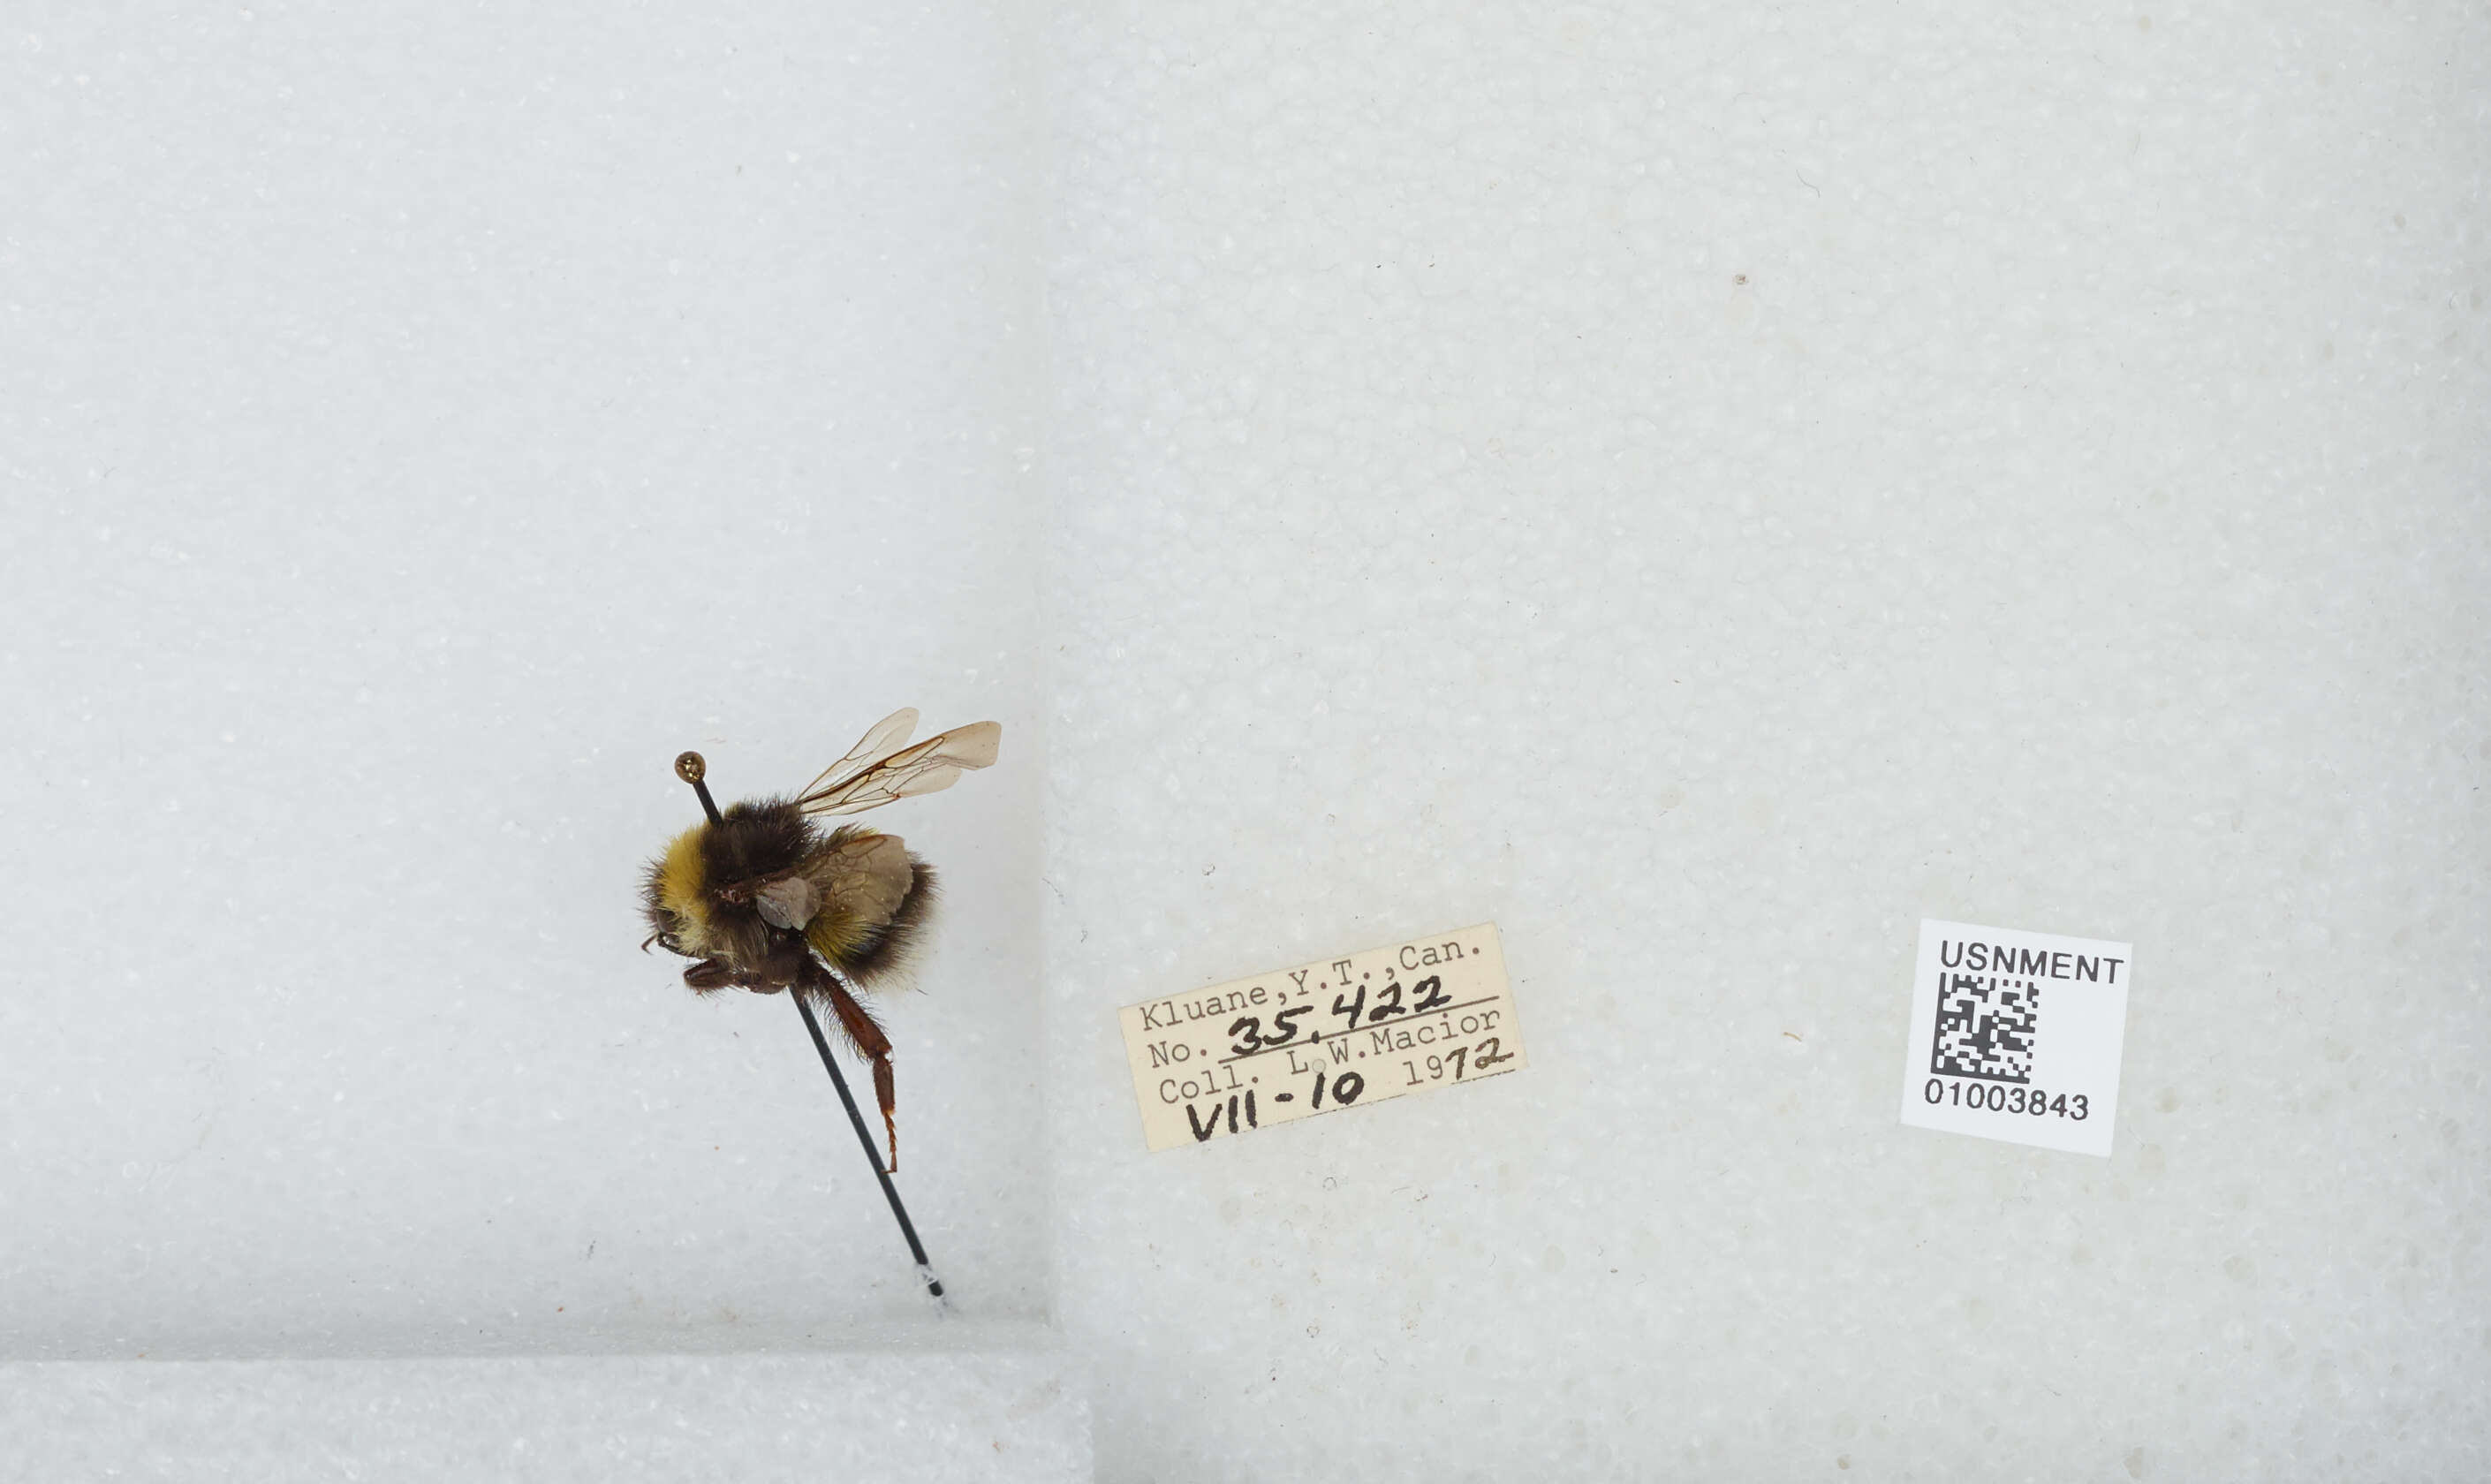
[{"x": 761, "y": 899}]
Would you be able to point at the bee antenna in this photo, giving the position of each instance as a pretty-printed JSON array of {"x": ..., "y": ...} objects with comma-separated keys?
[{"x": 692, "y": 768}]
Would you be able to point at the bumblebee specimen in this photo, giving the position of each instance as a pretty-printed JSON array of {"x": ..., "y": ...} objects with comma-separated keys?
[{"x": 763, "y": 900}]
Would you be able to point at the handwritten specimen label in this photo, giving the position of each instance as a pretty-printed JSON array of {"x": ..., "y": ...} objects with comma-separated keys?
[{"x": 1339, "y": 1033}]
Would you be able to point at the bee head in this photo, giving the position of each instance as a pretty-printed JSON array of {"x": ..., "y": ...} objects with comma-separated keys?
[
  {"x": 675, "y": 898},
  {"x": 721, "y": 894}
]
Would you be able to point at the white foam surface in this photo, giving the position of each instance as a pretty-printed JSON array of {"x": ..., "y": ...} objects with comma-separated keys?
[
  {"x": 417, "y": 433},
  {"x": 1000, "y": 1417},
  {"x": 1708, "y": 488},
  {"x": 1702, "y": 490}
]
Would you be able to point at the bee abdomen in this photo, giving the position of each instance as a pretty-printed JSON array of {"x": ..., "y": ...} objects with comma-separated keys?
[{"x": 876, "y": 900}]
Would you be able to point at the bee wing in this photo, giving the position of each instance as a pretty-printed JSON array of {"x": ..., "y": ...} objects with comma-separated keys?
[
  {"x": 931, "y": 766},
  {"x": 881, "y": 739},
  {"x": 864, "y": 877},
  {"x": 790, "y": 901}
]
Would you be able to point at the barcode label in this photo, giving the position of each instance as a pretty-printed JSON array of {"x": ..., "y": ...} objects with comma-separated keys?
[
  {"x": 1986, "y": 1027},
  {"x": 2017, "y": 1036}
]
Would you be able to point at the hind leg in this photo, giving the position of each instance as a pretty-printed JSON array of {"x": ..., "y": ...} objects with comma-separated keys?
[{"x": 867, "y": 1038}]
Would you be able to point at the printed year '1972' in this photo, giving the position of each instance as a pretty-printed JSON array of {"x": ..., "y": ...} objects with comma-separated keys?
[{"x": 1335, "y": 1033}]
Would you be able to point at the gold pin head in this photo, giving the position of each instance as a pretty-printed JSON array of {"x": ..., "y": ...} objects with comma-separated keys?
[{"x": 692, "y": 769}]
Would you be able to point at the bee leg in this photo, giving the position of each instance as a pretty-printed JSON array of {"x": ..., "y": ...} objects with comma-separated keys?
[{"x": 869, "y": 1042}]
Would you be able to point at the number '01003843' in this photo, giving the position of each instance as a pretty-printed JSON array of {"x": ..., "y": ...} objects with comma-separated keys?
[{"x": 1997, "y": 1097}]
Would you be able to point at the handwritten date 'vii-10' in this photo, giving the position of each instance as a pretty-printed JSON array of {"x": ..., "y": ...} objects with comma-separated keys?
[{"x": 1325, "y": 1035}]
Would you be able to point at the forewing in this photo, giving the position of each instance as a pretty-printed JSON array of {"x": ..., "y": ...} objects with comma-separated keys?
[
  {"x": 865, "y": 877},
  {"x": 931, "y": 766},
  {"x": 881, "y": 741}
]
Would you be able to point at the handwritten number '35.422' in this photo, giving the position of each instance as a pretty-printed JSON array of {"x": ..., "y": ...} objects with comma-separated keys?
[{"x": 1251, "y": 1037}]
